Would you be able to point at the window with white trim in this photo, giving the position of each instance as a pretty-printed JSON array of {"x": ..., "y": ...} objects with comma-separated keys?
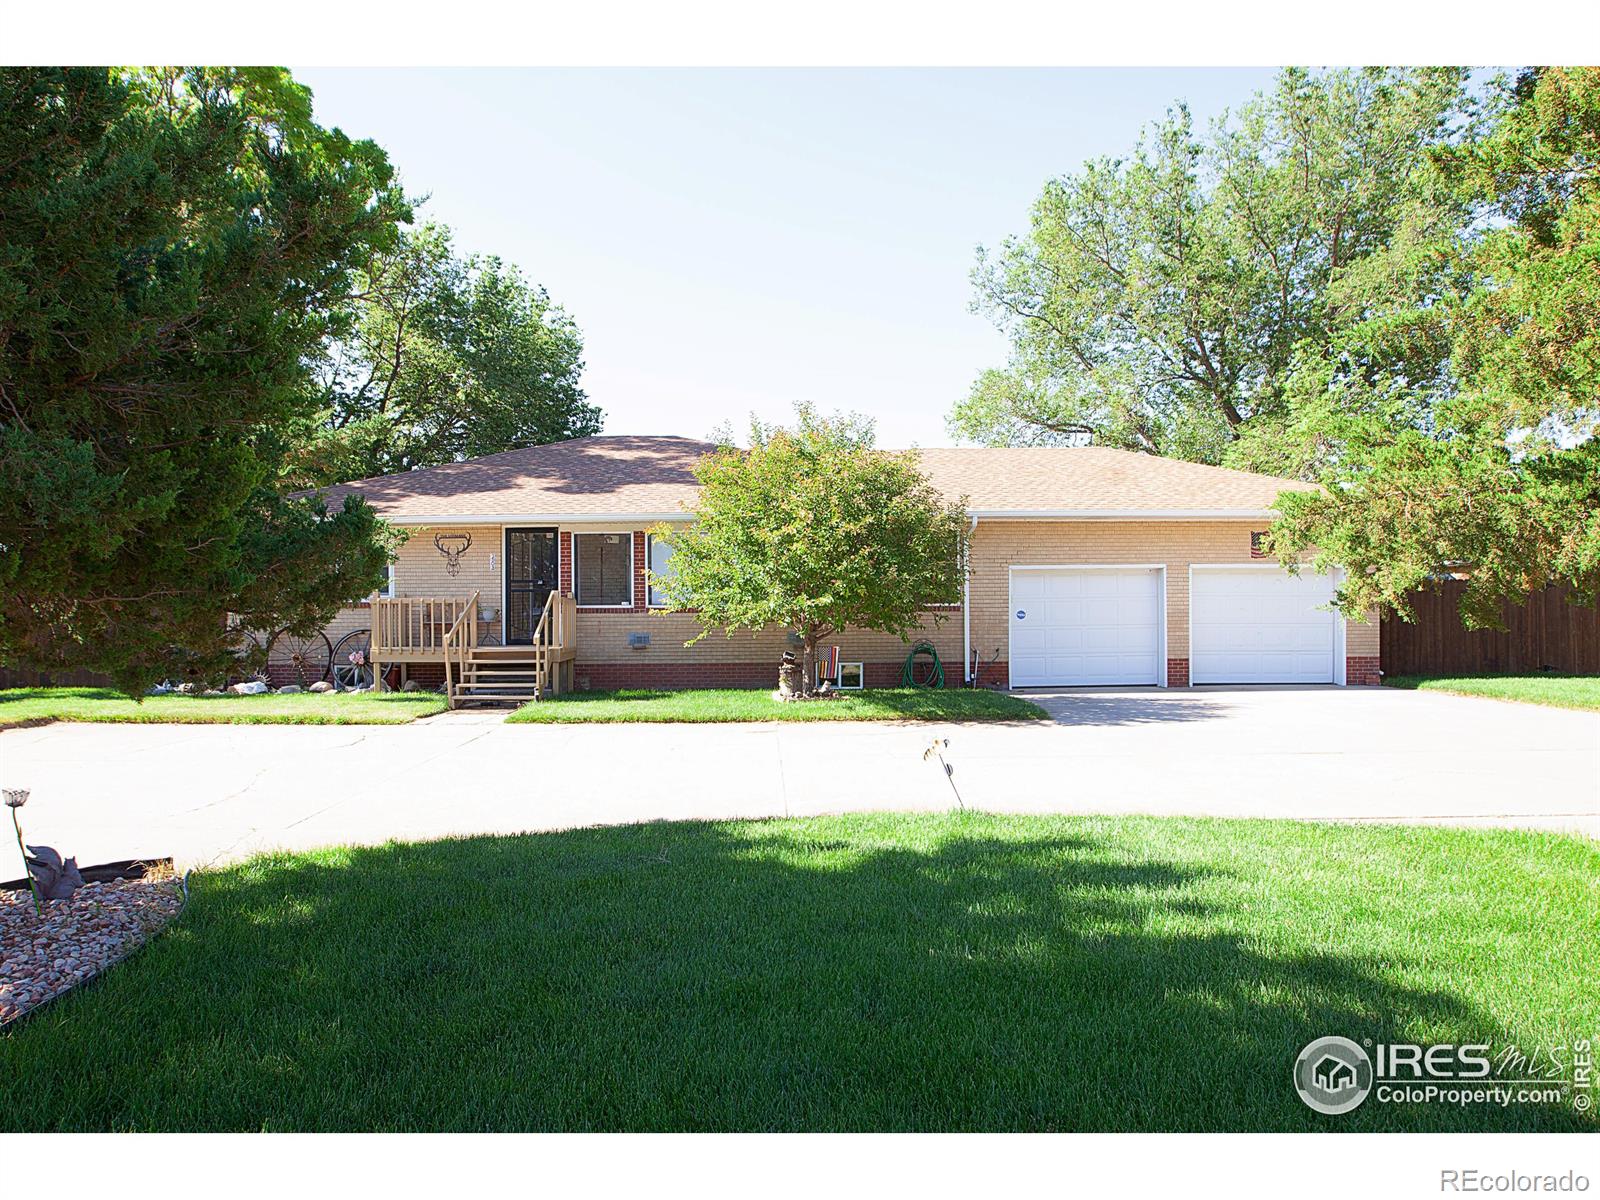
[
  {"x": 602, "y": 569},
  {"x": 658, "y": 556},
  {"x": 386, "y": 592}
]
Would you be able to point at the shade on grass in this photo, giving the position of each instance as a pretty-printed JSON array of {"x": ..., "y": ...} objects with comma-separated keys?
[
  {"x": 959, "y": 971},
  {"x": 1561, "y": 691},
  {"x": 19, "y": 705},
  {"x": 752, "y": 704}
]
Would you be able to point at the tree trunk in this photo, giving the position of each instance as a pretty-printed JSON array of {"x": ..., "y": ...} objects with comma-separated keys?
[{"x": 808, "y": 663}]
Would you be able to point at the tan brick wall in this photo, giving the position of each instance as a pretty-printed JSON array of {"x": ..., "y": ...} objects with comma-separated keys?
[
  {"x": 999, "y": 545},
  {"x": 420, "y": 570}
]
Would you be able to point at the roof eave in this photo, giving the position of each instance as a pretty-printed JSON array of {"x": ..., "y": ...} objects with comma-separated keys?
[
  {"x": 985, "y": 514},
  {"x": 589, "y": 518},
  {"x": 1124, "y": 514}
]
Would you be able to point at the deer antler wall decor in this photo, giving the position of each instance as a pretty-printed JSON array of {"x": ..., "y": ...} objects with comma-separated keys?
[{"x": 452, "y": 546}]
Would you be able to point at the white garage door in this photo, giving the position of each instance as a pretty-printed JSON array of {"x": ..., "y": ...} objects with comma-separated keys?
[
  {"x": 1078, "y": 627},
  {"x": 1250, "y": 625}
]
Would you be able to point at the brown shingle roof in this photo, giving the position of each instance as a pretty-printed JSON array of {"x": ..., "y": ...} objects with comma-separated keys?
[
  {"x": 593, "y": 476},
  {"x": 1094, "y": 479},
  {"x": 652, "y": 477}
]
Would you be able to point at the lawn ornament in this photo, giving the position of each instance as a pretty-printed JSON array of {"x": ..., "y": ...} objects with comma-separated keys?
[
  {"x": 936, "y": 751},
  {"x": 55, "y": 879}
]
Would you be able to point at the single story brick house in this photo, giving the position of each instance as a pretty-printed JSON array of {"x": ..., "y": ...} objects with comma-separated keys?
[{"x": 1089, "y": 566}]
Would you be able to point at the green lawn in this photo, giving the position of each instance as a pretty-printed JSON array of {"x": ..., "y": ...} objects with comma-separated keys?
[
  {"x": 20, "y": 705},
  {"x": 877, "y": 972},
  {"x": 754, "y": 704},
  {"x": 1561, "y": 691}
]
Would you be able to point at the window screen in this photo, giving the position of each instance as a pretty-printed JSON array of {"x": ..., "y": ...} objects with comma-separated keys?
[
  {"x": 604, "y": 569},
  {"x": 660, "y": 565}
]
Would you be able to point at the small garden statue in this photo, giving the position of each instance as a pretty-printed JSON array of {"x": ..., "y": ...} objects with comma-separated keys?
[
  {"x": 15, "y": 799},
  {"x": 52, "y": 878},
  {"x": 789, "y": 677}
]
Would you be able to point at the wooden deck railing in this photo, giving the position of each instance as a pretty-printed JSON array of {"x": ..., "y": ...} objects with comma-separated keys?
[
  {"x": 555, "y": 640},
  {"x": 458, "y": 643},
  {"x": 444, "y": 629},
  {"x": 413, "y": 628}
]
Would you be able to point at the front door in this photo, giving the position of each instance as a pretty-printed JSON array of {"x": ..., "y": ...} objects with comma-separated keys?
[{"x": 533, "y": 566}]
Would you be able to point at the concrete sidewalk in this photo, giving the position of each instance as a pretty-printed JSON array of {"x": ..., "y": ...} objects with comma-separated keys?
[{"x": 214, "y": 793}]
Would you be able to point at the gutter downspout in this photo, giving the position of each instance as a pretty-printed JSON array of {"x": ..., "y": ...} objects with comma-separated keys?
[{"x": 966, "y": 609}]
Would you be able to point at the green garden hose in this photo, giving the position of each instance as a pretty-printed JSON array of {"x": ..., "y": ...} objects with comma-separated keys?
[{"x": 908, "y": 673}]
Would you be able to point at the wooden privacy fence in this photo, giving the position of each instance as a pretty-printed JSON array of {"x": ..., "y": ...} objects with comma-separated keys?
[{"x": 1546, "y": 633}]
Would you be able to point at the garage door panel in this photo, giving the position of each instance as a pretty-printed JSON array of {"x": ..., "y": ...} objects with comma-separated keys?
[
  {"x": 1085, "y": 627},
  {"x": 1026, "y": 587},
  {"x": 1260, "y": 626}
]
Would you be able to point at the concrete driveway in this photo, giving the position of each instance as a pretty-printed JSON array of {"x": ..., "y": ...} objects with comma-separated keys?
[{"x": 213, "y": 793}]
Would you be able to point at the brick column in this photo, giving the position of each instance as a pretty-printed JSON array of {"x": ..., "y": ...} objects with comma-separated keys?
[
  {"x": 641, "y": 596},
  {"x": 1177, "y": 672},
  {"x": 566, "y": 563}
]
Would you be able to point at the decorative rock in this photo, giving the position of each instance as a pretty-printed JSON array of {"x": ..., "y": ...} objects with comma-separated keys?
[
  {"x": 290, "y": 689},
  {"x": 253, "y": 687},
  {"x": 188, "y": 689},
  {"x": 411, "y": 685},
  {"x": 76, "y": 938},
  {"x": 160, "y": 689},
  {"x": 321, "y": 685}
]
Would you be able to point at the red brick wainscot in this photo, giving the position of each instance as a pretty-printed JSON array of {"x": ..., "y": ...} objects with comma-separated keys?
[
  {"x": 609, "y": 676},
  {"x": 1177, "y": 672},
  {"x": 995, "y": 674},
  {"x": 1362, "y": 671}
]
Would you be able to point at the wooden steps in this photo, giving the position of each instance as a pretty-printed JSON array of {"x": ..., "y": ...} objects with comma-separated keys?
[{"x": 503, "y": 675}]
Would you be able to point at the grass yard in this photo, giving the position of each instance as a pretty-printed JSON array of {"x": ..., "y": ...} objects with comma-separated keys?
[
  {"x": 754, "y": 704},
  {"x": 33, "y": 705},
  {"x": 1559, "y": 691},
  {"x": 875, "y": 972}
]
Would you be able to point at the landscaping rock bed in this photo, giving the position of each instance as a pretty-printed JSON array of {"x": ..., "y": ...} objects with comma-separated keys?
[{"x": 78, "y": 938}]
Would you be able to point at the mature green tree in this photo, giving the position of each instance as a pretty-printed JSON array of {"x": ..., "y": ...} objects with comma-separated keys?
[
  {"x": 1453, "y": 415},
  {"x": 1156, "y": 302},
  {"x": 815, "y": 530},
  {"x": 444, "y": 358},
  {"x": 172, "y": 243}
]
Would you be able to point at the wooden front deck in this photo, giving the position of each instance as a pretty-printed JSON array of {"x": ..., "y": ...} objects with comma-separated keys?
[{"x": 446, "y": 630}]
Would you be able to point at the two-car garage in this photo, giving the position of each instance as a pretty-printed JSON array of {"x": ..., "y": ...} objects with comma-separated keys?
[{"x": 1077, "y": 626}]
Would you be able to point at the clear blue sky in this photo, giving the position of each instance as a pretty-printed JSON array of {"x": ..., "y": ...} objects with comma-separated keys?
[{"x": 738, "y": 240}]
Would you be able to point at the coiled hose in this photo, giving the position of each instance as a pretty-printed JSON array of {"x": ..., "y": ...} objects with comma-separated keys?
[{"x": 933, "y": 676}]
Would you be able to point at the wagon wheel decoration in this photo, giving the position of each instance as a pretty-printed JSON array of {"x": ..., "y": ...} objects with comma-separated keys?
[
  {"x": 246, "y": 646},
  {"x": 308, "y": 658},
  {"x": 352, "y": 660}
]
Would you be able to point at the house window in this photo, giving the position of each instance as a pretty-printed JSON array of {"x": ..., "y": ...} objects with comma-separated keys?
[
  {"x": 659, "y": 555},
  {"x": 386, "y": 592},
  {"x": 602, "y": 569}
]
